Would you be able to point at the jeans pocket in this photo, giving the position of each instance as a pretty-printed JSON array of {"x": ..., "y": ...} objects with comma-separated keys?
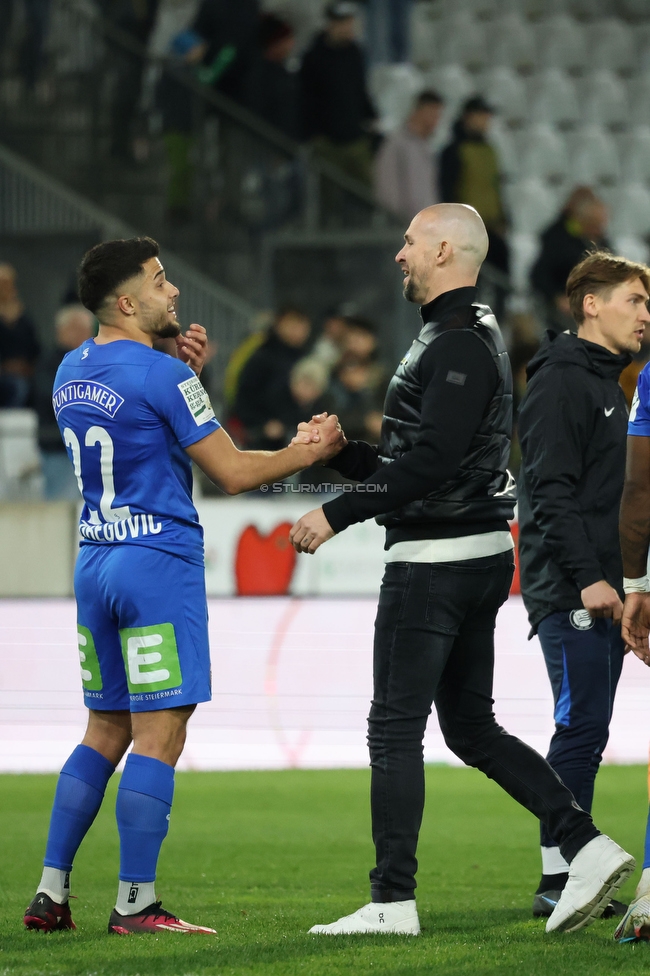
[{"x": 445, "y": 598}]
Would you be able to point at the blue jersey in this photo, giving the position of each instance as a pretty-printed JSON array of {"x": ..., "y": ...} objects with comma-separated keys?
[
  {"x": 126, "y": 412},
  {"x": 639, "y": 424}
]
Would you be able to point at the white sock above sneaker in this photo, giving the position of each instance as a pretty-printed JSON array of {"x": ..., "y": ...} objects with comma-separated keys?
[
  {"x": 133, "y": 896},
  {"x": 56, "y": 884},
  {"x": 553, "y": 862},
  {"x": 643, "y": 887},
  {"x": 386, "y": 918}
]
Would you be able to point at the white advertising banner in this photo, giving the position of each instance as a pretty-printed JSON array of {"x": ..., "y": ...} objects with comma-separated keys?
[
  {"x": 248, "y": 553},
  {"x": 292, "y": 680}
]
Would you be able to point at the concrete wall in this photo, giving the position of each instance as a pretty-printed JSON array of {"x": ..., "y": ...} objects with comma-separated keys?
[{"x": 37, "y": 548}]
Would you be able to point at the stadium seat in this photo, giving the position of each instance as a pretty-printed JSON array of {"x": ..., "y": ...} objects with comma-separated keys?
[
  {"x": 506, "y": 91},
  {"x": 604, "y": 98},
  {"x": 543, "y": 153},
  {"x": 593, "y": 156},
  {"x": 610, "y": 42},
  {"x": 635, "y": 155},
  {"x": 560, "y": 42},
  {"x": 629, "y": 206},
  {"x": 554, "y": 98},
  {"x": 511, "y": 41},
  {"x": 393, "y": 88},
  {"x": 639, "y": 98},
  {"x": 590, "y": 9},
  {"x": 533, "y": 205},
  {"x": 460, "y": 39},
  {"x": 454, "y": 84},
  {"x": 632, "y": 248},
  {"x": 423, "y": 36},
  {"x": 524, "y": 249},
  {"x": 504, "y": 143},
  {"x": 20, "y": 465}
]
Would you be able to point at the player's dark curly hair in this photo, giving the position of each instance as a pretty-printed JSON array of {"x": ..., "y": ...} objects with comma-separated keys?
[{"x": 108, "y": 265}]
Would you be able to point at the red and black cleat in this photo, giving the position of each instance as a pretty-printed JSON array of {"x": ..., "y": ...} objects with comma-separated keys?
[
  {"x": 154, "y": 918},
  {"x": 44, "y": 915}
]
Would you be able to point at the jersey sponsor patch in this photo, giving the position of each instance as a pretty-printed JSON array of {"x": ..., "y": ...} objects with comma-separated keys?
[
  {"x": 581, "y": 619},
  {"x": 197, "y": 400},
  {"x": 93, "y": 394}
]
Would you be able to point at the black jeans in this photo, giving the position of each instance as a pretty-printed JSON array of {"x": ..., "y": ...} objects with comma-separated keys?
[{"x": 434, "y": 644}]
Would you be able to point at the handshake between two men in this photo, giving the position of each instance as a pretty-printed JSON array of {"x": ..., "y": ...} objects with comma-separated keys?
[{"x": 313, "y": 529}]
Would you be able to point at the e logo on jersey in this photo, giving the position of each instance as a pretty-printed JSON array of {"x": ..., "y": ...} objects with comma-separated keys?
[
  {"x": 197, "y": 400},
  {"x": 581, "y": 619},
  {"x": 94, "y": 394}
]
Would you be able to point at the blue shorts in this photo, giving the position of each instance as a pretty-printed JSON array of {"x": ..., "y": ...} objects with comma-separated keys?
[{"x": 143, "y": 629}]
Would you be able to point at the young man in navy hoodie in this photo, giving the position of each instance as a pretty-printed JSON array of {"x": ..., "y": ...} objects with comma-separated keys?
[{"x": 572, "y": 427}]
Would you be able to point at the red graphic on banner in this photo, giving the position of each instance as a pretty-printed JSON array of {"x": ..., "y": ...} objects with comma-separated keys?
[
  {"x": 264, "y": 564},
  {"x": 516, "y": 585}
]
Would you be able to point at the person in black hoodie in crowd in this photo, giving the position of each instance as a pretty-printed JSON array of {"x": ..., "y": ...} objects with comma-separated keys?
[
  {"x": 336, "y": 108},
  {"x": 572, "y": 427},
  {"x": 579, "y": 228},
  {"x": 272, "y": 91},
  {"x": 264, "y": 405}
]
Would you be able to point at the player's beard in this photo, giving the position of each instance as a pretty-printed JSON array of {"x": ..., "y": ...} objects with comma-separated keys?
[{"x": 167, "y": 330}]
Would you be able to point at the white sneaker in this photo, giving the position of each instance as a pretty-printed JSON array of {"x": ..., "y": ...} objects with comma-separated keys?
[
  {"x": 393, "y": 917},
  {"x": 597, "y": 871}
]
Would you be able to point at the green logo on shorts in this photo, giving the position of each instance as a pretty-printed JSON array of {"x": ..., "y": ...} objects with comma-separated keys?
[
  {"x": 151, "y": 658},
  {"x": 91, "y": 676}
]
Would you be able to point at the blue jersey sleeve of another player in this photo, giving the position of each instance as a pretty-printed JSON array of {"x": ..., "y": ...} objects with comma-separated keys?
[
  {"x": 177, "y": 395},
  {"x": 639, "y": 425}
]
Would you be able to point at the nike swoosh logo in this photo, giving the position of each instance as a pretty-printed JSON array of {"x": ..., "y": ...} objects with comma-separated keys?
[
  {"x": 549, "y": 900},
  {"x": 609, "y": 412}
]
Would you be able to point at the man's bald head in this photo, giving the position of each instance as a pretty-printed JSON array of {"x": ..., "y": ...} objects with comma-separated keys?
[
  {"x": 445, "y": 247},
  {"x": 458, "y": 224}
]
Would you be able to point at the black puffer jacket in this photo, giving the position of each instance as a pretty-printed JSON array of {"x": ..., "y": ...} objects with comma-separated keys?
[
  {"x": 482, "y": 490},
  {"x": 572, "y": 427}
]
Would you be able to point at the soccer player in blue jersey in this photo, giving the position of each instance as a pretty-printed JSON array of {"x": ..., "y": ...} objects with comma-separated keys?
[
  {"x": 132, "y": 419},
  {"x": 635, "y": 625}
]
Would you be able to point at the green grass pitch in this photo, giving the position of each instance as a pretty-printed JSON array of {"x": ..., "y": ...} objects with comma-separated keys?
[{"x": 262, "y": 856}]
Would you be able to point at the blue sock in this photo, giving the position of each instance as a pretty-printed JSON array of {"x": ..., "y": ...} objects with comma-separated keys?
[
  {"x": 78, "y": 797},
  {"x": 144, "y": 801},
  {"x": 646, "y": 853}
]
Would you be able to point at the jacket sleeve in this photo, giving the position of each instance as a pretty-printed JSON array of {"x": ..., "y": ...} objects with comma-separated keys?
[
  {"x": 451, "y": 415},
  {"x": 356, "y": 461},
  {"x": 554, "y": 431}
]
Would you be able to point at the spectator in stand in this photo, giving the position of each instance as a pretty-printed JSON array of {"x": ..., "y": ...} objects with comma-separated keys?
[
  {"x": 264, "y": 404},
  {"x": 337, "y": 112},
  {"x": 272, "y": 91},
  {"x": 330, "y": 345},
  {"x": 136, "y": 19},
  {"x": 580, "y": 227},
  {"x": 406, "y": 172},
  {"x": 73, "y": 325},
  {"x": 19, "y": 346},
  {"x": 388, "y": 32},
  {"x": 356, "y": 397},
  {"x": 469, "y": 173},
  {"x": 227, "y": 44},
  {"x": 360, "y": 344}
]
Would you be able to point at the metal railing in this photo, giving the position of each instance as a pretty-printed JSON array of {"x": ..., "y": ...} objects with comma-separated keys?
[
  {"x": 34, "y": 203},
  {"x": 211, "y": 178}
]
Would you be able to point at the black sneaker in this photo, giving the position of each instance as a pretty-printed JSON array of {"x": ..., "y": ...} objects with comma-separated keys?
[
  {"x": 545, "y": 901},
  {"x": 44, "y": 915},
  {"x": 153, "y": 918}
]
